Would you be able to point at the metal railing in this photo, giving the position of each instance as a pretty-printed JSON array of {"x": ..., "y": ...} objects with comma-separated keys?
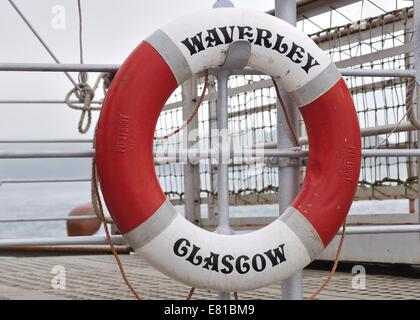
[{"x": 191, "y": 155}]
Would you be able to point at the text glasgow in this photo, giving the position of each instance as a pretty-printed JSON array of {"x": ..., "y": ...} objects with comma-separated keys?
[
  {"x": 227, "y": 264},
  {"x": 261, "y": 37}
]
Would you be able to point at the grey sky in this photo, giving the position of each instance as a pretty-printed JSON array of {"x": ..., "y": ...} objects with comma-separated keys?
[{"x": 111, "y": 30}]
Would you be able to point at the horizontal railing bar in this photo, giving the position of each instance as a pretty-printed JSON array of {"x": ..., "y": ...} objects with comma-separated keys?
[
  {"x": 207, "y": 153},
  {"x": 45, "y": 154},
  {"x": 382, "y": 229},
  {"x": 45, "y": 219},
  {"x": 118, "y": 239},
  {"x": 369, "y": 153},
  {"x": 50, "y": 67},
  {"x": 377, "y": 73},
  {"x": 43, "y": 101},
  {"x": 344, "y": 71},
  {"x": 48, "y": 141},
  {"x": 385, "y": 129},
  {"x": 18, "y": 181},
  {"x": 191, "y": 154},
  {"x": 51, "y": 241},
  {"x": 365, "y": 132},
  {"x": 59, "y": 67},
  {"x": 261, "y": 84}
]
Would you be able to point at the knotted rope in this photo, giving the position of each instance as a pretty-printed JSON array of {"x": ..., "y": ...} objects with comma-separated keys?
[{"x": 83, "y": 92}]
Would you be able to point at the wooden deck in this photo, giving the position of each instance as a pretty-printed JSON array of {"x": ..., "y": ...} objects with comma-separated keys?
[{"x": 97, "y": 277}]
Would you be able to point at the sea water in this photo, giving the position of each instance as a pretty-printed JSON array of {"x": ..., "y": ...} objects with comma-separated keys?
[{"x": 57, "y": 199}]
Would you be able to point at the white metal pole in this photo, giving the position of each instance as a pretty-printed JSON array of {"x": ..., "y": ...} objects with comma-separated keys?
[
  {"x": 224, "y": 154},
  {"x": 191, "y": 170},
  {"x": 212, "y": 94},
  {"x": 291, "y": 289},
  {"x": 416, "y": 48},
  {"x": 222, "y": 169}
]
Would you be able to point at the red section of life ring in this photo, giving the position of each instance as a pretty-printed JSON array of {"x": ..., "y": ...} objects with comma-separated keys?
[
  {"x": 124, "y": 138},
  {"x": 334, "y": 161}
]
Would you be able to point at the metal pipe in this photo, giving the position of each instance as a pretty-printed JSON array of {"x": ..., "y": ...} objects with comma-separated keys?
[
  {"x": 75, "y": 67},
  {"x": 377, "y": 73},
  {"x": 416, "y": 60},
  {"x": 385, "y": 129},
  {"x": 365, "y": 132},
  {"x": 416, "y": 51},
  {"x": 222, "y": 169},
  {"x": 45, "y": 219},
  {"x": 60, "y": 67},
  {"x": 391, "y": 73},
  {"x": 14, "y": 101},
  {"x": 291, "y": 288},
  {"x": 19, "y": 181},
  {"x": 194, "y": 154},
  {"x": 309, "y": 8},
  {"x": 56, "y": 241},
  {"x": 45, "y": 154},
  {"x": 223, "y": 226},
  {"x": 192, "y": 184},
  {"x": 119, "y": 240},
  {"x": 368, "y": 153},
  {"x": 222, "y": 105},
  {"x": 47, "y": 141},
  {"x": 382, "y": 229},
  {"x": 371, "y": 131}
]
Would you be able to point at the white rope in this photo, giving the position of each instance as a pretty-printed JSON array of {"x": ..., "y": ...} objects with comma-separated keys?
[
  {"x": 83, "y": 92},
  {"x": 408, "y": 113}
]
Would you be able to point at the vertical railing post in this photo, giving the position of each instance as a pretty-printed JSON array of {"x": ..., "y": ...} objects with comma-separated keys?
[
  {"x": 213, "y": 143},
  {"x": 411, "y": 135},
  {"x": 223, "y": 226},
  {"x": 222, "y": 77},
  {"x": 291, "y": 289},
  {"x": 190, "y": 138},
  {"x": 416, "y": 48}
]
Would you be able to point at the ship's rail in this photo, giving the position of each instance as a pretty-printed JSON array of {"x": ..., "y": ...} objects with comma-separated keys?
[
  {"x": 378, "y": 56},
  {"x": 399, "y": 23}
]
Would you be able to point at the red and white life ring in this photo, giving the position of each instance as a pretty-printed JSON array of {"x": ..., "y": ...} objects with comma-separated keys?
[{"x": 124, "y": 151}]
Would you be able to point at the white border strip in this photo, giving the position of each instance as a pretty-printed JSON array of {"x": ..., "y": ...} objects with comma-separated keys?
[{"x": 171, "y": 54}]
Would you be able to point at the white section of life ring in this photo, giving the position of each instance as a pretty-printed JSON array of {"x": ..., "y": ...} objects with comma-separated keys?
[
  {"x": 247, "y": 257},
  {"x": 287, "y": 54}
]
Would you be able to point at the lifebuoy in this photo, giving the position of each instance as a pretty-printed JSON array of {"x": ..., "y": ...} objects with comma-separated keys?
[{"x": 126, "y": 170}]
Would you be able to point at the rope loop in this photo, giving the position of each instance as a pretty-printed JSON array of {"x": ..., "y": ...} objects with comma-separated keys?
[{"x": 80, "y": 98}]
